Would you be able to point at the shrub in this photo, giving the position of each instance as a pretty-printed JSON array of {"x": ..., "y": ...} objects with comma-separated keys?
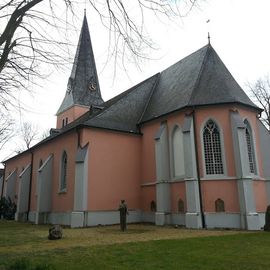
[{"x": 7, "y": 208}]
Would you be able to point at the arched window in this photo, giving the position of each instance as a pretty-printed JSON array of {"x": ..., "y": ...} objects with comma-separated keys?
[
  {"x": 63, "y": 180},
  {"x": 178, "y": 152},
  {"x": 153, "y": 206},
  {"x": 219, "y": 205},
  {"x": 250, "y": 148},
  {"x": 181, "y": 206},
  {"x": 212, "y": 148}
]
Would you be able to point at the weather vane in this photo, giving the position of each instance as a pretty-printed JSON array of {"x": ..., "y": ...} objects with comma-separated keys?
[{"x": 208, "y": 36}]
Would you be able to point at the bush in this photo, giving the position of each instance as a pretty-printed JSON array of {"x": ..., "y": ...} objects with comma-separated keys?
[{"x": 7, "y": 208}]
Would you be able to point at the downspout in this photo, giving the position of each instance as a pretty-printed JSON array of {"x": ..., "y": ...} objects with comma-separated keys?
[
  {"x": 78, "y": 138},
  {"x": 4, "y": 176},
  {"x": 198, "y": 168},
  {"x": 30, "y": 186}
]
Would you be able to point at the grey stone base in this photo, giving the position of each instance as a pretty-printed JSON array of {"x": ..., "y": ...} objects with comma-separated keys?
[
  {"x": 262, "y": 219},
  {"x": 253, "y": 221},
  {"x": 190, "y": 220},
  {"x": 223, "y": 220},
  {"x": 77, "y": 220},
  {"x": 32, "y": 217},
  {"x": 111, "y": 217},
  {"x": 148, "y": 217},
  {"x": 193, "y": 220},
  {"x": 178, "y": 219},
  {"x": 162, "y": 218},
  {"x": 42, "y": 218},
  {"x": 22, "y": 217}
]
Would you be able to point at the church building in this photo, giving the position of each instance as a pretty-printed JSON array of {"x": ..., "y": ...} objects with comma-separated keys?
[{"x": 183, "y": 147}]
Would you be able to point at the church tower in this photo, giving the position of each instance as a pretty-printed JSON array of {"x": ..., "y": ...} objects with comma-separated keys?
[{"x": 83, "y": 87}]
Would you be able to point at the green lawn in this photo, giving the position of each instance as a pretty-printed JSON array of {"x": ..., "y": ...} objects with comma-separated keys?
[{"x": 228, "y": 250}]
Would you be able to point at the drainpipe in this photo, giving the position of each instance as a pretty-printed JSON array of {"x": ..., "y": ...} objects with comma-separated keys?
[
  {"x": 78, "y": 137},
  {"x": 30, "y": 186},
  {"x": 198, "y": 168},
  {"x": 4, "y": 176}
]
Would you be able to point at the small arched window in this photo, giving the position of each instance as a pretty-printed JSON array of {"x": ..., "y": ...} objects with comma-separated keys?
[
  {"x": 219, "y": 205},
  {"x": 178, "y": 152},
  {"x": 153, "y": 206},
  {"x": 181, "y": 206},
  {"x": 250, "y": 148},
  {"x": 212, "y": 148},
  {"x": 63, "y": 180}
]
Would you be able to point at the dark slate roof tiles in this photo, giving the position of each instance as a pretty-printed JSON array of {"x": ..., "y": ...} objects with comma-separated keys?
[
  {"x": 83, "y": 85},
  {"x": 125, "y": 110}
]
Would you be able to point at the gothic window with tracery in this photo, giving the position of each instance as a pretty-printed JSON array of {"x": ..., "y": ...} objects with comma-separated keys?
[
  {"x": 178, "y": 152},
  {"x": 212, "y": 148},
  {"x": 63, "y": 181},
  {"x": 250, "y": 148}
]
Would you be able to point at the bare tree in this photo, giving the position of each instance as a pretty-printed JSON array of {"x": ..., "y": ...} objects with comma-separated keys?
[
  {"x": 28, "y": 34},
  {"x": 6, "y": 129},
  {"x": 260, "y": 91},
  {"x": 28, "y": 134}
]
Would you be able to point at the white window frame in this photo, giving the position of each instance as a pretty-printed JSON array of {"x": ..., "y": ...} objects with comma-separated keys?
[{"x": 223, "y": 154}]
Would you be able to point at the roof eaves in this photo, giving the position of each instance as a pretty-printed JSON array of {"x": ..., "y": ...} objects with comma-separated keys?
[
  {"x": 201, "y": 105},
  {"x": 110, "y": 129}
]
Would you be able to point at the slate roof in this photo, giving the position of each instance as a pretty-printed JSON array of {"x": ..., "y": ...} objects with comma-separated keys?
[
  {"x": 199, "y": 79},
  {"x": 83, "y": 85}
]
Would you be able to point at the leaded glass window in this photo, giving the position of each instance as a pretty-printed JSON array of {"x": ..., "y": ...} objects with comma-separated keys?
[
  {"x": 178, "y": 153},
  {"x": 212, "y": 148},
  {"x": 250, "y": 148},
  {"x": 63, "y": 182}
]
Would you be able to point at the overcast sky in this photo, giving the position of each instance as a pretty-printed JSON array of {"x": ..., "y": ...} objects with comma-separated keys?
[{"x": 239, "y": 31}]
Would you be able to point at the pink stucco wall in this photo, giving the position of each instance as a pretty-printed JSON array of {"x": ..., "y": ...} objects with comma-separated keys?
[
  {"x": 178, "y": 191},
  {"x": 260, "y": 195},
  {"x": 148, "y": 162},
  {"x": 148, "y": 194},
  {"x": 61, "y": 202},
  {"x": 72, "y": 114},
  {"x": 226, "y": 190},
  {"x": 114, "y": 169}
]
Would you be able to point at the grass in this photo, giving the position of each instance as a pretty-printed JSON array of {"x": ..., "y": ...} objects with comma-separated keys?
[{"x": 141, "y": 247}]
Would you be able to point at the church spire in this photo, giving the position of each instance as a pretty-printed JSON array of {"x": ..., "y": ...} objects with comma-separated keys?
[{"x": 83, "y": 86}]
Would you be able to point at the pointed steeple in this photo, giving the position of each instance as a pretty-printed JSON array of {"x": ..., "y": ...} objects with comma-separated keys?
[{"x": 83, "y": 86}]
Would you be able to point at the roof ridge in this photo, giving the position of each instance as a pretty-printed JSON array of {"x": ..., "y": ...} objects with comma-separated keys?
[
  {"x": 122, "y": 95},
  {"x": 150, "y": 96},
  {"x": 199, "y": 74}
]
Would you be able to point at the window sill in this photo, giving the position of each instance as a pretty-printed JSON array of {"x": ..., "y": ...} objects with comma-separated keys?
[
  {"x": 63, "y": 191},
  {"x": 218, "y": 177}
]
